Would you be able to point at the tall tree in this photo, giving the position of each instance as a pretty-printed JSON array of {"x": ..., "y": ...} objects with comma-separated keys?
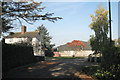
[
  {"x": 27, "y": 11},
  {"x": 45, "y": 38},
  {"x": 100, "y": 26},
  {"x": 94, "y": 44}
]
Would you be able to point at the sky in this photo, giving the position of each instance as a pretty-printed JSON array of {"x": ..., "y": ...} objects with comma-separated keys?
[{"x": 75, "y": 22}]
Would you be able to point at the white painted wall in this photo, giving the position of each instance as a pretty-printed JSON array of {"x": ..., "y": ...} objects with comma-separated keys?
[
  {"x": 15, "y": 40},
  {"x": 36, "y": 42},
  {"x": 83, "y": 53}
]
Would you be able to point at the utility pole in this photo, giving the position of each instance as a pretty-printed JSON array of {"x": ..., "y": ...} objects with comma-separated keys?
[{"x": 110, "y": 23}]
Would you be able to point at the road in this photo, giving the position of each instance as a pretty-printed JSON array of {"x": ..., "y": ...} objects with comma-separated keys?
[{"x": 51, "y": 68}]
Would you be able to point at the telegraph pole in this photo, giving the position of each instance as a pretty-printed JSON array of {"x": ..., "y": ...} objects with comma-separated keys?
[{"x": 110, "y": 23}]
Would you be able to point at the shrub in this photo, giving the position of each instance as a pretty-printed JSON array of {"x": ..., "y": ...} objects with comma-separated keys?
[
  {"x": 16, "y": 55},
  {"x": 49, "y": 53},
  {"x": 111, "y": 74}
]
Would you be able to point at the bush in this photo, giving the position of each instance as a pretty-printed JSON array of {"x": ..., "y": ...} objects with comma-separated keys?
[
  {"x": 113, "y": 73},
  {"x": 49, "y": 53},
  {"x": 16, "y": 55},
  {"x": 110, "y": 67},
  {"x": 90, "y": 70}
]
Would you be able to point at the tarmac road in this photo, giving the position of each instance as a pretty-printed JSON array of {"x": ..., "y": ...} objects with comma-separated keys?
[{"x": 61, "y": 68}]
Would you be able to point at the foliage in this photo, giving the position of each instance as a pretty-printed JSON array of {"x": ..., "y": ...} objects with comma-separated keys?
[
  {"x": 99, "y": 73},
  {"x": 16, "y": 55},
  {"x": 119, "y": 42},
  {"x": 111, "y": 74},
  {"x": 94, "y": 45},
  {"x": 6, "y": 25},
  {"x": 45, "y": 39},
  {"x": 27, "y": 11},
  {"x": 90, "y": 70},
  {"x": 109, "y": 56},
  {"x": 49, "y": 53},
  {"x": 100, "y": 26},
  {"x": 77, "y": 43},
  {"x": 110, "y": 67}
]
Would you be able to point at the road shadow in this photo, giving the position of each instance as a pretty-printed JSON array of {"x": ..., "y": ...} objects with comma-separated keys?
[{"x": 61, "y": 68}]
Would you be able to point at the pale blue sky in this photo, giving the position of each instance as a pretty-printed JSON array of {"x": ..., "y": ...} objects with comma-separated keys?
[{"x": 75, "y": 22}]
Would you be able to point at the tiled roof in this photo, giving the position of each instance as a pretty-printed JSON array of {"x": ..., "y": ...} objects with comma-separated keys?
[
  {"x": 26, "y": 34},
  {"x": 65, "y": 47}
]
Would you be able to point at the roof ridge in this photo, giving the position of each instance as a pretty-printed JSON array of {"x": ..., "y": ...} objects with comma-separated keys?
[
  {"x": 34, "y": 31},
  {"x": 25, "y": 32}
]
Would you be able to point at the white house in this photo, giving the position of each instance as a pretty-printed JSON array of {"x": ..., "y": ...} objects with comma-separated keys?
[{"x": 32, "y": 38}]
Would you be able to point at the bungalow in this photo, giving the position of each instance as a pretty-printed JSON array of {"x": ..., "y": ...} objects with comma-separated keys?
[{"x": 31, "y": 38}]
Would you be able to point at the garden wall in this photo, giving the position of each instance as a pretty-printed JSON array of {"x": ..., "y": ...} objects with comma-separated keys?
[{"x": 84, "y": 53}]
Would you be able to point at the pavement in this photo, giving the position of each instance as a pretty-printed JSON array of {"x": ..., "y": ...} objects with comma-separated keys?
[{"x": 51, "y": 68}]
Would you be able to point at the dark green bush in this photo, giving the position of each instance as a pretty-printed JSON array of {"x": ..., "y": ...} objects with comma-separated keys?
[
  {"x": 16, "y": 55},
  {"x": 110, "y": 66},
  {"x": 109, "y": 56},
  {"x": 49, "y": 53},
  {"x": 113, "y": 73}
]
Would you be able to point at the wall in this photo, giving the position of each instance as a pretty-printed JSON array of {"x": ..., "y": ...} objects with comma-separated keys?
[
  {"x": 37, "y": 47},
  {"x": 15, "y": 40},
  {"x": 84, "y": 53}
]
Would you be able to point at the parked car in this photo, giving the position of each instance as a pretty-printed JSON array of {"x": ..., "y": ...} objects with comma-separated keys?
[{"x": 94, "y": 58}]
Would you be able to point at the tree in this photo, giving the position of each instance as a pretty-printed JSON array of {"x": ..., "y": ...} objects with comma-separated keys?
[
  {"x": 119, "y": 42},
  {"x": 45, "y": 38},
  {"x": 94, "y": 44},
  {"x": 76, "y": 45},
  {"x": 27, "y": 11},
  {"x": 100, "y": 26}
]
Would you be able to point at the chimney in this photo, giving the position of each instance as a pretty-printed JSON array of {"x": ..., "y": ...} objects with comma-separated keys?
[{"x": 23, "y": 30}]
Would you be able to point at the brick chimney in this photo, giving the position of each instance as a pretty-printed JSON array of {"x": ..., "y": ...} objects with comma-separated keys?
[{"x": 23, "y": 29}]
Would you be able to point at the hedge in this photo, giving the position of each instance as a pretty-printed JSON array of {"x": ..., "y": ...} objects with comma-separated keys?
[{"x": 16, "y": 55}]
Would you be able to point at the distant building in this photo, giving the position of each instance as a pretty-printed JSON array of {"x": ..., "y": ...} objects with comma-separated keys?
[
  {"x": 69, "y": 51},
  {"x": 32, "y": 38}
]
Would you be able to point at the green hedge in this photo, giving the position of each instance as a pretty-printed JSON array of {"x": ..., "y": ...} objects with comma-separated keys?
[{"x": 16, "y": 55}]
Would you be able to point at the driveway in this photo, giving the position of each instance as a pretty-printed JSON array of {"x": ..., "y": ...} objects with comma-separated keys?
[{"x": 52, "y": 68}]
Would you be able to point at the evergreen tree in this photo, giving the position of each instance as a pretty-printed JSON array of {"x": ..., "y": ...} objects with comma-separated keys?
[{"x": 45, "y": 38}]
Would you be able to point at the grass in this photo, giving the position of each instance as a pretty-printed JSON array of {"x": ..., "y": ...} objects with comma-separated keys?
[{"x": 63, "y": 57}]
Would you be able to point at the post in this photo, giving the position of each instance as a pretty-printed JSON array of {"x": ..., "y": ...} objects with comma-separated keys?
[{"x": 110, "y": 23}]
